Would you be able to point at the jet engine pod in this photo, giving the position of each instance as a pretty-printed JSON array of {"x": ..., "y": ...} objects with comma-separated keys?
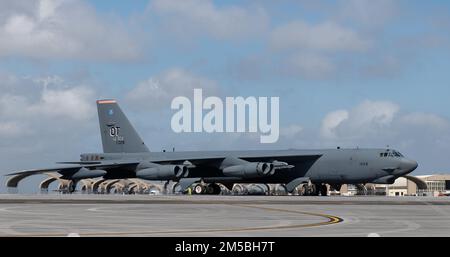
[
  {"x": 84, "y": 173},
  {"x": 250, "y": 170},
  {"x": 163, "y": 172}
]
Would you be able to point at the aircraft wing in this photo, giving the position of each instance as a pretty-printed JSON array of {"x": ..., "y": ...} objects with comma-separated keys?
[
  {"x": 217, "y": 158},
  {"x": 76, "y": 166}
]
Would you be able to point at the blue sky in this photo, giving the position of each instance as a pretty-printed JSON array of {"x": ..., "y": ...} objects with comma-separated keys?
[{"x": 350, "y": 73}]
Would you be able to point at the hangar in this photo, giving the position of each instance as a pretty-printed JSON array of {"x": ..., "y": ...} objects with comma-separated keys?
[{"x": 423, "y": 185}]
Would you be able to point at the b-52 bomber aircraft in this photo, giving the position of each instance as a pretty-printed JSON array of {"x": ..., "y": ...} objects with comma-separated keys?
[{"x": 126, "y": 156}]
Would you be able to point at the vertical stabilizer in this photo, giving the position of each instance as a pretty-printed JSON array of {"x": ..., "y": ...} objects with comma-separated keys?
[{"x": 118, "y": 135}]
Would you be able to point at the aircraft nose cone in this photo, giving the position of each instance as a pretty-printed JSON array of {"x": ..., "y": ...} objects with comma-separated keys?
[{"x": 409, "y": 165}]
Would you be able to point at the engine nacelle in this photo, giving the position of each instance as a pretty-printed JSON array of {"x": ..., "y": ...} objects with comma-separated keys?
[
  {"x": 250, "y": 170},
  {"x": 161, "y": 172}
]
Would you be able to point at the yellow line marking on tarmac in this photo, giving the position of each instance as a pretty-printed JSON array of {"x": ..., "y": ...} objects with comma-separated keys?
[{"x": 331, "y": 220}]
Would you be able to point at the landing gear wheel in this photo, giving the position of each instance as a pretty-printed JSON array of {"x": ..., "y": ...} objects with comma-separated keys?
[
  {"x": 312, "y": 190},
  {"x": 199, "y": 189},
  {"x": 210, "y": 189},
  {"x": 301, "y": 190},
  {"x": 216, "y": 190}
]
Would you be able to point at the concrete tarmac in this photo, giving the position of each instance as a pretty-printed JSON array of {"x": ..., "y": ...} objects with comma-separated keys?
[{"x": 191, "y": 216}]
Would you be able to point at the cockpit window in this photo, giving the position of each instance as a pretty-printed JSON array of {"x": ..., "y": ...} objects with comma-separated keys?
[
  {"x": 391, "y": 154},
  {"x": 398, "y": 154}
]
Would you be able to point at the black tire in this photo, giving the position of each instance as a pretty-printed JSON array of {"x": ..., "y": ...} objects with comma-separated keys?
[
  {"x": 199, "y": 189},
  {"x": 216, "y": 190},
  {"x": 301, "y": 190},
  {"x": 209, "y": 189}
]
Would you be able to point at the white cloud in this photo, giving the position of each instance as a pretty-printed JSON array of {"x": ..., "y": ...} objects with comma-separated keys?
[
  {"x": 188, "y": 17},
  {"x": 373, "y": 112},
  {"x": 46, "y": 107},
  {"x": 45, "y": 119},
  {"x": 368, "y": 119},
  {"x": 381, "y": 123},
  {"x": 67, "y": 103},
  {"x": 421, "y": 136},
  {"x": 332, "y": 121},
  {"x": 158, "y": 91},
  {"x": 62, "y": 29},
  {"x": 326, "y": 36}
]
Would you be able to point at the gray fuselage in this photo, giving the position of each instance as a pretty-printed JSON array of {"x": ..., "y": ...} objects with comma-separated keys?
[{"x": 332, "y": 166}]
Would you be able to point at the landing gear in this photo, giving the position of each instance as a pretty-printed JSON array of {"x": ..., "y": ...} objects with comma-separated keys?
[
  {"x": 281, "y": 190},
  {"x": 207, "y": 189},
  {"x": 199, "y": 189},
  {"x": 310, "y": 190},
  {"x": 336, "y": 187},
  {"x": 214, "y": 189},
  {"x": 313, "y": 190}
]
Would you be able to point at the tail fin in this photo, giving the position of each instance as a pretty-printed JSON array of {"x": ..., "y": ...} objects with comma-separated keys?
[{"x": 118, "y": 135}]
